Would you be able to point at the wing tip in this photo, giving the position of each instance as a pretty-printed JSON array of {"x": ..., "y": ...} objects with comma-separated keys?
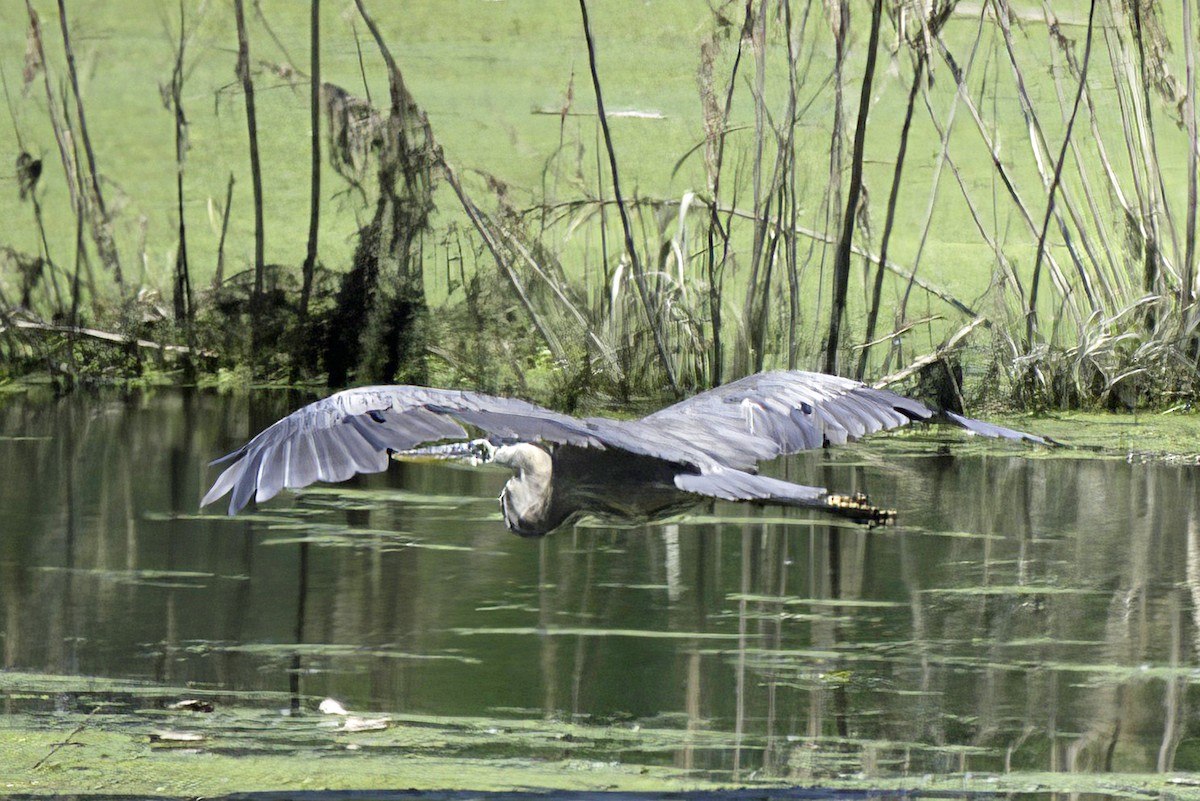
[{"x": 985, "y": 429}]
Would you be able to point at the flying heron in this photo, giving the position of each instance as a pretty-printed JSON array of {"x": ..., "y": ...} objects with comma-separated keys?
[{"x": 564, "y": 467}]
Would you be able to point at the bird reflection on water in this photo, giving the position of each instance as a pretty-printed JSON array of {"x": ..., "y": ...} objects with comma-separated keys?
[{"x": 707, "y": 446}]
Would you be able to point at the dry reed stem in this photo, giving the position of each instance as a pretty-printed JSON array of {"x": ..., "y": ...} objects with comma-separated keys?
[
  {"x": 1114, "y": 283},
  {"x": 98, "y": 219},
  {"x": 938, "y": 354},
  {"x": 794, "y": 43},
  {"x": 893, "y": 198},
  {"x": 639, "y": 277},
  {"x": 477, "y": 219},
  {"x": 816, "y": 236},
  {"x": 873, "y": 258},
  {"x": 943, "y": 155},
  {"x": 1010, "y": 274},
  {"x": 62, "y": 137},
  {"x": 897, "y": 332},
  {"x": 1186, "y": 285},
  {"x": 838, "y": 14},
  {"x": 749, "y": 356},
  {"x": 219, "y": 274},
  {"x": 1142, "y": 166},
  {"x": 571, "y": 305},
  {"x": 841, "y": 269},
  {"x": 714, "y": 161},
  {"x": 104, "y": 336},
  {"x": 1056, "y": 272},
  {"x": 1040, "y": 150},
  {"x": 1031, "y": 318},
  {"x": 1147, "y": 26}
]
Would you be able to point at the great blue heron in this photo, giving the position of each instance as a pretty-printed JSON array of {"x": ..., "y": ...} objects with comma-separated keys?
[{"x": 564, "y": 467}]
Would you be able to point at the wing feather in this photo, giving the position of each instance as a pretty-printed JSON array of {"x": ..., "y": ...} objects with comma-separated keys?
[
  {"x": 303, "y": 468},
  {"x": 269, "y": 480},
  {"x": 985, "y": 429},
  {"x": 245, "y": 487}
]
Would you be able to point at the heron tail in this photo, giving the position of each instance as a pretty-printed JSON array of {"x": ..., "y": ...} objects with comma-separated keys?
[{"x": 736, "y": 485}]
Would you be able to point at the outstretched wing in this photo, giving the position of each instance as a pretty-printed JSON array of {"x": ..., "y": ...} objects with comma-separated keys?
[
  {"x": 734, "y": 426},
  {"x": 767, "y": 415},
  {"x": 353, "y": 432}
]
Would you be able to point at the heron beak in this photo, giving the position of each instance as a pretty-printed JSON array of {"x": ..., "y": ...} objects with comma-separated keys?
[{"x": 474, "y": 453}]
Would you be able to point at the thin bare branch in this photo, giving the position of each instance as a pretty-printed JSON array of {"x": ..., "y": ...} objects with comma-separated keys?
[
  {"x": 841, "y": 267},
  {"x": 1031, "y": 319},
  {"x": 1187, "y": 284},
  {"x": 101, "y": 224},
  {"x": 630, "y": 249},
  {"x": 937, "y": 355},
  {"x": 243, "y": 74}
]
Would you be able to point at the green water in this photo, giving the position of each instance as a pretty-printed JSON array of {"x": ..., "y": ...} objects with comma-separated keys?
[{"x": 1030, "y": 622}]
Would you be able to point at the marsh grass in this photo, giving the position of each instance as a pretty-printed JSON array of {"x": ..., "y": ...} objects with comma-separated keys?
[{"x": 1018, "y": 205}]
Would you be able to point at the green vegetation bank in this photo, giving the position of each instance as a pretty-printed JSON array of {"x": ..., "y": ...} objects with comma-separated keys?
[{"x": 604, "y": 199}]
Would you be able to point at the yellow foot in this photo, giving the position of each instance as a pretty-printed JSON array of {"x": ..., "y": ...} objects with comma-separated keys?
[{"x": 859, "y": 508}]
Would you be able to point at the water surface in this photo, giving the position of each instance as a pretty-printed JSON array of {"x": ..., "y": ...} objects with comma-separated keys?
[{"x": 1027, "y": 613}]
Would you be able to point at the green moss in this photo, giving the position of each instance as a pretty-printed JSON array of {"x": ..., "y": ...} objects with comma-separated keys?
[
  {"x": 1172, "y": 435},
  {"x": 130, "y": 762},
  {"x": 124, "y": 737}
]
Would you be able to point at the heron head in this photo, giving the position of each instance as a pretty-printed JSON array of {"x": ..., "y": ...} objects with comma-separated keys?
[
  {"x": 525, "y": 499},
  {"x": 525, "y": 459}
]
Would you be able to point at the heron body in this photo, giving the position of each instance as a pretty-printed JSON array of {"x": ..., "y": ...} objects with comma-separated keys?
[
  {"x": 552, "y": 486},
  {"x": 706, "y": 446}
]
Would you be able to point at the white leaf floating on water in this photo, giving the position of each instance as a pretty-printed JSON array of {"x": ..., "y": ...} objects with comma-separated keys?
[
  {"x": 171, "y": 736},
  {"x": 331, "y": 707},
  {"x": 191, "y": 705},
  {"x": 355, "y": 723}
]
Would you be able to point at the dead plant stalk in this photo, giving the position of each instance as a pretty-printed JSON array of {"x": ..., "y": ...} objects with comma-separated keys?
[
  {"x": 1031, "y": 319},
  {"x": 243, "y": 74},
  {"x": 841, "y": 268},
  {"x": 639, "y": 276}
]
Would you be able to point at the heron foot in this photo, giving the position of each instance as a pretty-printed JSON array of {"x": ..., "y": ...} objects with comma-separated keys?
[{"x": 858, "y": 507}]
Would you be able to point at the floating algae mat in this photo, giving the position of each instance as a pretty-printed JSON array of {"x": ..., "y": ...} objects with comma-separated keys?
[
  {"x": 81, "y": 735},
  {"x": 73, "y": 734}
]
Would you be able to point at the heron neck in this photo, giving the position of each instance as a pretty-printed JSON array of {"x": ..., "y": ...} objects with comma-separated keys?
[{"x": 527, "y": 495}]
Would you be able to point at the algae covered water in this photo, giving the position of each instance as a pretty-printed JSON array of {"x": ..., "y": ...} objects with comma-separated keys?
[{"x": 1033, "y": 614}]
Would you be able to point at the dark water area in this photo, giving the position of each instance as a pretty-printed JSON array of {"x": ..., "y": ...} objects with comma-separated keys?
[{"x": 1030, "y": 612}]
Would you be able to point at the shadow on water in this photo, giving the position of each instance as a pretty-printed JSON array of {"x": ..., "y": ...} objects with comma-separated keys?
[{"x": 1027, "y": 616}]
